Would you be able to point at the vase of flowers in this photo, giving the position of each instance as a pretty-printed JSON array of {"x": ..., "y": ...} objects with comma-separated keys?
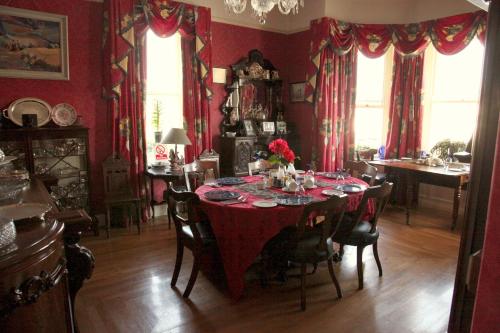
[{"x": 282, "y": 154}]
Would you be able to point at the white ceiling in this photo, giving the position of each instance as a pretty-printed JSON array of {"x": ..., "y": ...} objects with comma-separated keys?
[{"x": 356, "y": 11}]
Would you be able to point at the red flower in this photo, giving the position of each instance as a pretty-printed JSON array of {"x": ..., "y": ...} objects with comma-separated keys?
[
  {"x": 289, "y": 155},
  {"x": 278, "y": 146}
]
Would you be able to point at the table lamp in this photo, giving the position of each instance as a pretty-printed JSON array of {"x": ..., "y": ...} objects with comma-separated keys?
[{"x": 176, "y": 136}]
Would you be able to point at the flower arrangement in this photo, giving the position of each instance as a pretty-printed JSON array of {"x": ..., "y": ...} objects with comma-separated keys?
[{"x": 282, "y": 154}]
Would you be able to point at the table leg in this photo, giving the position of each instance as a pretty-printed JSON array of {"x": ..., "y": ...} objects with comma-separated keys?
[
  {"x": 409, "y": 195},
  {"x": 152, "y": 189},
  {"x": 456, "y": 205}
]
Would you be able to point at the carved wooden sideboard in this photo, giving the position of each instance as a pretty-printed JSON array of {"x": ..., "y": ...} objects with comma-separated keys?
[{"x": 43, "y": 269}]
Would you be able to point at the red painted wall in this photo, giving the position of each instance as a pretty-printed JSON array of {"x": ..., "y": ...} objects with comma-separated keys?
[
  {"x": 487, "y": 308},
  {"x": 83, "y": 90},
  {"x": 300, "y": 113}
]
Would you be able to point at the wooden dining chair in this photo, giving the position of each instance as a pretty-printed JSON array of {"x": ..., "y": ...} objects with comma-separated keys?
[
  {"x": 355, "y": 231},
  {"x": 366, "y": 154},
  {"x": 214, "y": 158},
  {"x": 117, "y": 190},
  {"x": 195, "y": 172},
  {"x": 307, "y": 244},
  {"x": 259, "y": 165},
  {"x": 193, "y": 232},
  {"x": 362, "y": 170}
]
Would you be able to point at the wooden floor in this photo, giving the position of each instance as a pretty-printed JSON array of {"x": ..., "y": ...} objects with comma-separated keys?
[{"x": 130, "y": 289}]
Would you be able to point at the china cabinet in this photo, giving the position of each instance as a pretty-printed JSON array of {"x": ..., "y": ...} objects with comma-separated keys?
[{"x": 58, "y": 156}]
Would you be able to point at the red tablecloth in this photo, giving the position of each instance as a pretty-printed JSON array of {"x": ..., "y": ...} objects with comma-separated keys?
[{"x": 242, "y": 230}]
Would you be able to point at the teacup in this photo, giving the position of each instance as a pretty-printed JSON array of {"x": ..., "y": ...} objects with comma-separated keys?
[
  {"x": 291, "y": 186},
  {"x": 309, "y": 183}
]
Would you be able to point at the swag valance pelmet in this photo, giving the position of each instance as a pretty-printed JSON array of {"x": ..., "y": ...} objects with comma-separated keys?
[{"x": 449, "y": 35}]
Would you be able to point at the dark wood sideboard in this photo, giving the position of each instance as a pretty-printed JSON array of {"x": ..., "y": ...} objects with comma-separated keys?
[{"x": 43, "y": 269}]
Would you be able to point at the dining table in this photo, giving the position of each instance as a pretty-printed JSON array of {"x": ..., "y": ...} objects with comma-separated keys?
[{"x": 242, "y": 229}]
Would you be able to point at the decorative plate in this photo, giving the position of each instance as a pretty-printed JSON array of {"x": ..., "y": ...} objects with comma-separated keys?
[
  {"x": 293, "y": 200},
  {"x": 7, "y": 159},
  {"x": 227, "y": 181},
  {"x": 332, "y": 192},
  {"x": 350, "y": 188},
  {"x": 24, "y": 211},
  {"x": 264, "y": 204},
  {"x": 336, "y": 175},
  {"x": 218, "y": 195},
  {"x": 63, "y": 114},
  {"x": 28, "y": 105}
]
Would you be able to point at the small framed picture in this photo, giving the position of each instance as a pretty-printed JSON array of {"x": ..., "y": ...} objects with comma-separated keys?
[
  {"x": 268, "y": 127},
  {"x": 248, "y": 126},
  {"x": 281, "y": 127},
  {"x": 297, "y": 92}
]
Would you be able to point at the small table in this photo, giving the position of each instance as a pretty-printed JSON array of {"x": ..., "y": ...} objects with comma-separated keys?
[
  {"x": 167, "y": 176},
  {"x": 418, "y": 173}
]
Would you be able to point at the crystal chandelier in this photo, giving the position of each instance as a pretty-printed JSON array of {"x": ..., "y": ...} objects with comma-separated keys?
[{"x": 262, "y": 7}]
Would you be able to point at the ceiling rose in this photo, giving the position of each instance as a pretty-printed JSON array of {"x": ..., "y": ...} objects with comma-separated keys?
[{"x": 262, "y": 7}]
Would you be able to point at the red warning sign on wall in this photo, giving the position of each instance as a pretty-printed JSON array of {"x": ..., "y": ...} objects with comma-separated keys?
[{"x": 161, "y": 153}]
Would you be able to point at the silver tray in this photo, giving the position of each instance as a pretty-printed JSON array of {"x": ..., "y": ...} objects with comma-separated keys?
[{"x": 28, "y": 105}]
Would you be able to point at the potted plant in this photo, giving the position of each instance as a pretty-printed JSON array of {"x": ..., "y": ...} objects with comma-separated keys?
[
  {"x": 445, "y": 148},
  {"x": 158, "y": 109}
]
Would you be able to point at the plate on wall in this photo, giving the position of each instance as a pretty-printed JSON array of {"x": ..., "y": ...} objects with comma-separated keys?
[
  {"x": 28, "y": 105},
  {"x": 63, "y": 114}
]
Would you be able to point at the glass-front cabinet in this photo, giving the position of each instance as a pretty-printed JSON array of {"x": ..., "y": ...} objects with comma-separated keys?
[{"x": 57, "y": 156}]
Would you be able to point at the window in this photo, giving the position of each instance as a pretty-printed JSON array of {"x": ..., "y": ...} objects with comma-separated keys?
[
  {"x": 451, "y": 94},
  {"x": 372, "y": 84},
  {"x": 163, "y": 88}
]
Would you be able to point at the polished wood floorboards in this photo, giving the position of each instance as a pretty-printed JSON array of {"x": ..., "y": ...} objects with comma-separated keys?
[{"x": 130, "y": 289}]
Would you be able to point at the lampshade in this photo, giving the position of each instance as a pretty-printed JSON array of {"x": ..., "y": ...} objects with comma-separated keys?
[{"x": 176, "y": 136}]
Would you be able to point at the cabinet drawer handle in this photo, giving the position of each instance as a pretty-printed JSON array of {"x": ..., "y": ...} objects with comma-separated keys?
[{"x": 32, "y": 288}]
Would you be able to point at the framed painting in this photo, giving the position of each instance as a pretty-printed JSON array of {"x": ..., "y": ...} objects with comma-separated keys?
[
  {"x": 297, "y": 92},
  {"x": 33, "y": 45},
  {"x": 248, "y": 127}
]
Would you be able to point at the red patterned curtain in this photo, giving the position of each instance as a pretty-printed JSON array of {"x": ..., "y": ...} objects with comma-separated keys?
[
  {"x": 126, "y": 22},
  {"x": 405, "y": 112},
  {"x": 448, "y": 35}
]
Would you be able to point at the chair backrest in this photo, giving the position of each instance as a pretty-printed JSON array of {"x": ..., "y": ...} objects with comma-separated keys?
[
  {"x": 381, "y": 194},
  {"x": 190, "y": 201},
  {"x": 332, "y": 209},
  {"x": 259, "y": 165},
  {"x": 362, "y": 170},
  {"x": 116, "y": 173},
  {"x": 194, "y": 173},
  {"x": 213, "y": 157}
]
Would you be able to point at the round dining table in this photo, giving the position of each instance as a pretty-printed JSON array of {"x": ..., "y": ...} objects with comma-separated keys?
[{"x": 242, "y": 230}]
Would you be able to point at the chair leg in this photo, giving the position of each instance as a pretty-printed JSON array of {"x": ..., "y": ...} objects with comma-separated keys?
[
  {"x": 178, "y": 263},
  {"x": 138, "y": 215},
  {"x": 129, "y": 213},
  {"x": 375, "y": 254},
  {"x": 192, "y": 278},
  {"x": 108, "y": 220},
  {"x": 360, "y": 266},
  {"x": 303, "y": 272},
  {"x": 334, "y": 278},
  {"x": 169, "y": 220}
]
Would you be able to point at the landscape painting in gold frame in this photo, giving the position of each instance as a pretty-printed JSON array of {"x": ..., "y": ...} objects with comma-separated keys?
[{"x": 33, "y": 44}]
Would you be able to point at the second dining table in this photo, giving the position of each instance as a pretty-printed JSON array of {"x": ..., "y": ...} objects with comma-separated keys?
[{"x": 242, "y": 230}]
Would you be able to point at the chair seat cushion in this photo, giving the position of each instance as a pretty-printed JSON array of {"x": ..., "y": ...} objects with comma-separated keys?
[
  {"x": 380, "y": 178},
  {"x": 360, "y": 235},
  {"x": 204, "y": 229},
  {"x": 308, "y": 251},
  {"x": 304, "y": 251}
]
